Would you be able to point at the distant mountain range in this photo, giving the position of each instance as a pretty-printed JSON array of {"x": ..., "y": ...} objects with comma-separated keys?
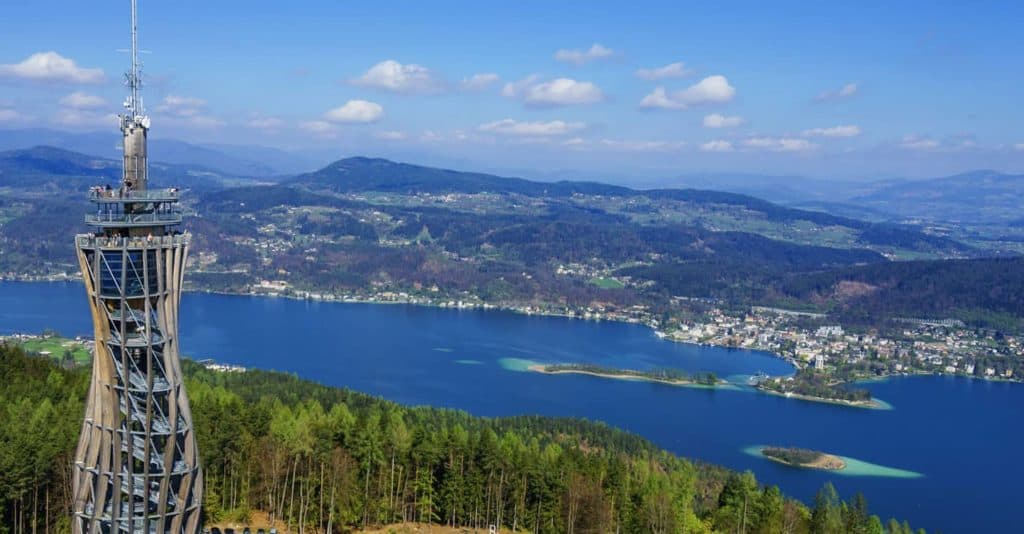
[
  {"x": 49, "y": 169},
  {"x": 238, "y": 160},
  {"x": 373, "y": 174},
  {"x": 978, "y": 196},
  {"x": 982, "y": 196}
]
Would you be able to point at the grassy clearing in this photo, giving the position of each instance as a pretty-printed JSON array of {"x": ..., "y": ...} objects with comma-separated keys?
[
  {"x": 57, "y": 347},
  {"x": 607, "y": 283}
]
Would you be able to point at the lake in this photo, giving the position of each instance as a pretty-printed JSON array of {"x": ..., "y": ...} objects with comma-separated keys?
[{"x": 960, "y": 435}]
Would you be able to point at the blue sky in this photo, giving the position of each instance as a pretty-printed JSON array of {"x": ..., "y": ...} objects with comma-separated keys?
[{"x": 827, "y": 89}]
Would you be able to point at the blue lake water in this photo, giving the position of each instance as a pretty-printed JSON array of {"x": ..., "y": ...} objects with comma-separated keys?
[{"x": 960, "y": 434}]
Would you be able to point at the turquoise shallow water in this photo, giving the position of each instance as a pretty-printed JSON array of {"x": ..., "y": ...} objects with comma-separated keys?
[
  {"x": 963, "y": 436},
  {"x": 854, "y": 467}
]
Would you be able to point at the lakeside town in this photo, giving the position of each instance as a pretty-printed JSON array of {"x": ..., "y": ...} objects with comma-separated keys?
[{"x": 807, "y": 340}]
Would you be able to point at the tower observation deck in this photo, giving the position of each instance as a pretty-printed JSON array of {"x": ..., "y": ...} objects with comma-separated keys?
[{"x": 137, "y": 465}]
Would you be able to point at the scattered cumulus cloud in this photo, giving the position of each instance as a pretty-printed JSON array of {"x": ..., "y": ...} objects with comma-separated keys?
[
  {"x": 557, "y": 92},
  {"x": 672, "y": 70},
  {"x": 517, "y": 88},
  {"x": 181, "y": 106},
  {"x": 716, "y": 120},
  {"x": 391, "y": 75},
  {"x": 53, "y": 67},
  {"x": 390, "y": 135},
  {"x": 716, "y": 146},
  {"x": 622, "y": 145},
  {"x": 845, "y": 91},
  {"x": 952, "y": 143},
  {"x": 187, "y": 111},
  {"x": 479, "y": 82},
  {"x": 711, "y": 90},
  {"x": 361, "y": 111},
  {"x": 205, "y": 122},
  {"x": 317, "y": 127},
  {"x": 580, "y": 57},
  {"x": 431, "y": 136},
  {"x": 659, "y": 98},
  {"x": 835, "y": 131},
  {"x": 10, "y": 115},
  {"x": 531, "y": 129},
  {"x": 82, "y": 118},
  {"x": 642, "y": 146},
  {"x": 913, "y": 142},
  {"x": 80, "y": 100},
  {"x": 779, "y": 144},
  {"x": 265, "y": 123}
]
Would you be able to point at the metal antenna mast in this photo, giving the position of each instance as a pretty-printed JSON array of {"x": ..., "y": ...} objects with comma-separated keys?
[{"x": 134, "y": 77}]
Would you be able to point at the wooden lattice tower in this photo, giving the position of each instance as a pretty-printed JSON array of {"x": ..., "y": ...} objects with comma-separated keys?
[{"x": 136, "y": 467}]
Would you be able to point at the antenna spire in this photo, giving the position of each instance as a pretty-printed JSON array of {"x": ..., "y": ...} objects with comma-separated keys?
[{"x": 134, "y": 104}]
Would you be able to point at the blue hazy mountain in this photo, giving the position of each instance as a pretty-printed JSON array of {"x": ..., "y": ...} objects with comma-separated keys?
[
  {"x": 976, "y": 196},
  {"x": 237, "y": 160},
  {"x": 47, "y": 168}
]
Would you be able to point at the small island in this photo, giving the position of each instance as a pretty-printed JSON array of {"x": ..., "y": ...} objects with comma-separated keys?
[
  {"x": 673, "y": 377},
  {"x": 806, "y": 458},
  {"x": 808, "y": 384}
]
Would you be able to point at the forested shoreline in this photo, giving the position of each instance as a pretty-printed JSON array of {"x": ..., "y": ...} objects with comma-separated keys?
[{"x": 323, "y": 459}]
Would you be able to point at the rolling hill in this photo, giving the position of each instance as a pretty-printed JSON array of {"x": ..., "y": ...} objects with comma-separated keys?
[{"x": 982, "y": 196}]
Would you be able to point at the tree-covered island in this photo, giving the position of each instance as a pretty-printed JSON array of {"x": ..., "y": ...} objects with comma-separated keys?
[
  {"x": 804, "y": 458},
  {"x": 810, "y": 384},
  {"x": 673, "y": 377}
]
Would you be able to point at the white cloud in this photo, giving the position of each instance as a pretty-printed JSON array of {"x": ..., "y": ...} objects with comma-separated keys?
[
  {"x": 845, "y": 91},
  {"x": 721, "y": 121},
  {"x": 430, "y": 136},
  {"x": 10, "y": 115},
  {"x": 204, "y": 122},
  {"x": 579, "y": 57},
  {"x": 913, "y": 142},
  {"x": 317, "y": 127},
  {"x": 356, "y": 111},
  {"x": 658, "y": 98},
  {"x": 265, "y": 123},
  {"x": 187, "y": 111},
  {"x": 479, "y": 82},
  {"x": 391, "y": 75},
  {"x": 780, "y": 144},
  {"x": 181, "y": 106},
  {"x": 642, "y": 146},
  {"x": 1019, "y": 146},
  {"x": 713, "y": 89},
  {"x": 84, "y": 118},
  {"x": 557, "y": 92},
  {"x": 623, "y": 145},
  {"x": 672, "y": 70},
  {"x": 537, "y": 128},
  {"x": 716, "y": 146},
  {"x": 849, "y": 130},
  {"x": 515, "y": 89},
  {"x": 80, "y": 100},
  {"x": 51, "y": 66},
  {"x": 390, "y": 135}
]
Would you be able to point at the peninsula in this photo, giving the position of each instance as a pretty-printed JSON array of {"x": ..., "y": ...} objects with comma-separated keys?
[{"x": 810, "y": 385}]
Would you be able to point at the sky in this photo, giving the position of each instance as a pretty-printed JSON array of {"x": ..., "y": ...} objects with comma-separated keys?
[{"x": 844, "y": 90}]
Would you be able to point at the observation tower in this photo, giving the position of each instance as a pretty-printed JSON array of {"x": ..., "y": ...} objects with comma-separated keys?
[{"x": 136, "y": 466}]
